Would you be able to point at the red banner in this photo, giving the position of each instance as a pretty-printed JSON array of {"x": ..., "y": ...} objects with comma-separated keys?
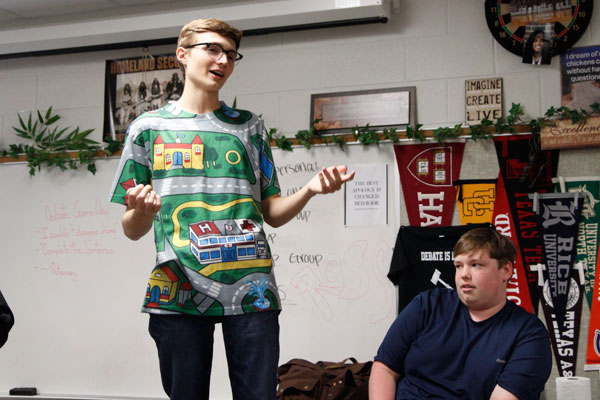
[
  {"x": 426, "y": 174},
  {"x": 592, "y": 359},
  {"x": 517, "y": 289},
  {"x": 525, "y": 169}
]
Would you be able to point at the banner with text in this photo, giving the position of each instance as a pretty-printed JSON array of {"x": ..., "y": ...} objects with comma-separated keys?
[
  {"x": 426, "y": 174},
  {"x": 592, "y": 359},
  {"x": 517, "y": 289},
  {"x": 526, "y": 169},
  {"x": 559, "y": 215},
  {"x": 587, "y": 243}
]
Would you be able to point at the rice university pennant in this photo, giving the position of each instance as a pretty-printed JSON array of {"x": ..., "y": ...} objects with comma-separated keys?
[
  {"x": 587, "y": 242},
  {"x": 558, "y": 216},
  {"x": 525, "y": 169},
  {"x": 426, "y": 174},
  {"x": 587, "y": 255}
]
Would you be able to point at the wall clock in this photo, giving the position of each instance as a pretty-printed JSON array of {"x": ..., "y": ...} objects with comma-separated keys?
[{"x": 563, "y": 21}]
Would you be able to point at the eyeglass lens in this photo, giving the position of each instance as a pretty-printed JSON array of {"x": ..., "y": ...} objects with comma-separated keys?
[{"x": 216, "y": 51}]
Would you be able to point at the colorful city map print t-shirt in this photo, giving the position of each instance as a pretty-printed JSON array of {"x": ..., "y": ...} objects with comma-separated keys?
[{"x": 212, "y": 172}]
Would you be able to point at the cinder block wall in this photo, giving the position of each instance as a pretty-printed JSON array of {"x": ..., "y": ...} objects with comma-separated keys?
[{"x": 434, "y": 45}]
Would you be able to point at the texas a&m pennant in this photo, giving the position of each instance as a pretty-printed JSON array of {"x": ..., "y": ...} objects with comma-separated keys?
[
  {"x": 526, "y": 169},
  {"x": 562, "y": 288},
  {"x": 426, "y": 174}
]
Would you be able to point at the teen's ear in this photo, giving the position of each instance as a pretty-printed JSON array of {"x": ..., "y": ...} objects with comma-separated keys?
[
  {"x": 181, "y": 54},
  {"x": 507, "y": 270}
]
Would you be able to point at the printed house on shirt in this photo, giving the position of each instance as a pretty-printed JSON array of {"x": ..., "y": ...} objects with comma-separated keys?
[
  {"x": 226, "y": 241},
  {"x": 162, "y": 287},
  {"x": 178, "y": 155}
]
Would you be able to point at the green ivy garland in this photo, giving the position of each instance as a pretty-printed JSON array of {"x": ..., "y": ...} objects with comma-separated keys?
[{"x": 50, "y": 146}]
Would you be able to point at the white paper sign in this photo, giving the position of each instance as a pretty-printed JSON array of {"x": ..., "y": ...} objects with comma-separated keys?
[{"x": 366, "y": 196}]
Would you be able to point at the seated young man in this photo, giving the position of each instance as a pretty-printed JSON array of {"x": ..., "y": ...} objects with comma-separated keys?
[{"x": 468, "y": 343}]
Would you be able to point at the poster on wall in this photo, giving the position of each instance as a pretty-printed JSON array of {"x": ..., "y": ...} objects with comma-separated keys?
[
  {"x": 580, "y": 77},
  {"x": 393, "y": 108},
  {"x": 365, "y": 197},
  {"x": 483, "y": 100},
  {"x": 136, "y": 85}
]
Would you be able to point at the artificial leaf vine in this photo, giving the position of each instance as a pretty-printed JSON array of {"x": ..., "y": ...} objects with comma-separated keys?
[{"x": 50, "y": 146}]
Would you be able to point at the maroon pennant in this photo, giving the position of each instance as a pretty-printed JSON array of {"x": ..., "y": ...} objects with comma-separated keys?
[{"x": 427, "y": 172}]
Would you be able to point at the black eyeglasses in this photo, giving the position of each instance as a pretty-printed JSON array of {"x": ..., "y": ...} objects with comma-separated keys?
[{"x": 215, "y": 51}]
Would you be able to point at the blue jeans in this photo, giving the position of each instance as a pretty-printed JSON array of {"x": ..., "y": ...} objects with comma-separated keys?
[{"x": 185, "y": 350}]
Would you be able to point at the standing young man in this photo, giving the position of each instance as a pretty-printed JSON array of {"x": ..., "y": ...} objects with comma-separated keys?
[
  {"x": 468, "y": 343},
  {"x": 203, "y": 175}
]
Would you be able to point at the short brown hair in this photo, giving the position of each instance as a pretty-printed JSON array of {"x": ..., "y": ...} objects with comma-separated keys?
[
  {"x": 186, "y": 36},
  {"x": 500, "y": 247}
]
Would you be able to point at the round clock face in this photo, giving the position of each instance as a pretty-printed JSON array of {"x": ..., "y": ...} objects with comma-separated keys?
[{"x": 562, "y": 22}]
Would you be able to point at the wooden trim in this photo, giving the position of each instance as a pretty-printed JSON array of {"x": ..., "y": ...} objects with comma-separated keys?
[{"x": 347, "y": 138}]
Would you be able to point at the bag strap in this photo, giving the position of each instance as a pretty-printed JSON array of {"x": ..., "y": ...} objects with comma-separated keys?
[{"x": 338, "y": 365}]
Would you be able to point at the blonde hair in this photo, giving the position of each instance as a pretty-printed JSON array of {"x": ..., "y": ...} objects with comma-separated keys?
[{"x": 186, "y": 36}]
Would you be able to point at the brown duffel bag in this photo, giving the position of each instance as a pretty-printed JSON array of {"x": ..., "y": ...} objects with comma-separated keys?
[{"x": 300, "y": 379}]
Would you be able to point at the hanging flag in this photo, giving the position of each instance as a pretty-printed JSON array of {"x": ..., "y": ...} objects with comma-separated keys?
[
  {"x": 426, "y": 174},
  {"x": 517, "y": 289},
  {"x": 559, "y": 215},
  {"x": 592, "y": 359},
  {"x": 526, "y": 169},
  {"x": 587, "y": 243},
  {"x": 475, "y": 200}
]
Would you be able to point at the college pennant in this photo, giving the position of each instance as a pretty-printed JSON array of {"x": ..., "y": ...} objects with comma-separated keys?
[
  {"x": 561, "y": 289},
  {"x": 517, "y": 289},
  {"x": 526, "y": 169},
  {"x": 426, "y": 174},
  {"x": 587, "y": 242},
  {"x": 475, "y": 200},
  {"x": 592, "y": 359}
]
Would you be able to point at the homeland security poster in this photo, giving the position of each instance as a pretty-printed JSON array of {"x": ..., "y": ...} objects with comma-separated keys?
[{"x": 136, "y": 85}]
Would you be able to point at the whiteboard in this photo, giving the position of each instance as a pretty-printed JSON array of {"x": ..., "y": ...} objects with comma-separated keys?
[{"x": 76, "y": 284}]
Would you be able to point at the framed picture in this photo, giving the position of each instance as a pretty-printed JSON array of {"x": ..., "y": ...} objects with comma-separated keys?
[
  {"x": 136, "y": 85},
  {"x": 537, "y": 48},
  {"x": 378, "y": 108}
]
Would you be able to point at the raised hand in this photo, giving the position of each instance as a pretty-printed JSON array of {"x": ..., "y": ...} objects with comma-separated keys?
[
  {"x": 142, "y": 199},
  {"x": 330, "y": 179}
]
